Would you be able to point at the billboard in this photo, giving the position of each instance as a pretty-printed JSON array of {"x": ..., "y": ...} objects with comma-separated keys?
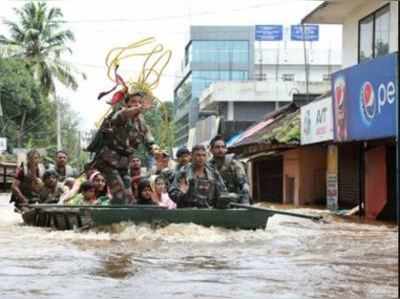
[
  {"x": 3, "y": 144},
  {"x": 269, "y": 32},
  {"x": 311, "y": 32},
  {"x": 316, "y": 121},
  {"x": 364, "y": 99}
]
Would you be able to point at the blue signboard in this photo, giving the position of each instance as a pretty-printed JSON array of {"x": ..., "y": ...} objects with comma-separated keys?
[
  {"x": 311, "y": 32},
  {"x": 364, "y": 99},
  {"x": 269, "y": 32}
]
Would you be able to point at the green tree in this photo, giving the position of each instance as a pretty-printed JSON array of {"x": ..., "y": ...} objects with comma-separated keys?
[
  {"x": 37, "y": 44},
  {"x": 28, "y": 117},
  {"x": 160, "y": 121},
  {"x": 21, "y": 102},
  {"x": 38, "y": 37}
]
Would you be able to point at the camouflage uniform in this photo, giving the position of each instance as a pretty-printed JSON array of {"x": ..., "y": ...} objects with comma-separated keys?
[
  {"x": 203, "y": 192},
  {"x": 234, "y": 177},
  {"x": 122, "y": 136},
  {"x": 168, "y": 176}
]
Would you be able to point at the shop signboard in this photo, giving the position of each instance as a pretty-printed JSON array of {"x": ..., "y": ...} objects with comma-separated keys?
[
  {"x": 332, "y": 188},
  {"x": 316, "y": 121},
  {"x": 3, "y": 144},
  {"x": 363, "y": 99}
]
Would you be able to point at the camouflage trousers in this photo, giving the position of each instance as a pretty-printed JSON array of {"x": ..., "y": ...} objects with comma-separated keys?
[{"x": 114, "y": 167}]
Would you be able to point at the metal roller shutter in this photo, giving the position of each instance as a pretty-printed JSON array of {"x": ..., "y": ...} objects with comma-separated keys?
[{"x": 349, "y": 175}]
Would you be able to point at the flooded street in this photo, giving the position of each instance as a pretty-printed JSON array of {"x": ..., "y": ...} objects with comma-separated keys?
[{"x": 292, "y": 258}]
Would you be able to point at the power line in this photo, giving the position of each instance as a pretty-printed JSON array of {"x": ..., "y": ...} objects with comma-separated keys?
[{"x": 172, "y": 17}]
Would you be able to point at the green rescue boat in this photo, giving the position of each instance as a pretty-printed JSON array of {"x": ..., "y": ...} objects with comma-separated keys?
[{"x": 80, "y": 217}]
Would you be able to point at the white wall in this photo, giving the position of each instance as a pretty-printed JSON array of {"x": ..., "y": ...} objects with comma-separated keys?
[
  {"x": 258, "y": 91},
  {"x": 316, "y": 73},
  {"x": 350, "y": 30}
]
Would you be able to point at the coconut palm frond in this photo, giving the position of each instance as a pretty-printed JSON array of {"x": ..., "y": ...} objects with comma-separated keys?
[{"x": 38, "y": 37}]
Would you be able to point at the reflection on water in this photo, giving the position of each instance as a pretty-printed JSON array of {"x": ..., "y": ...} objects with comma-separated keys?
[{"x": 292, "y": 258}]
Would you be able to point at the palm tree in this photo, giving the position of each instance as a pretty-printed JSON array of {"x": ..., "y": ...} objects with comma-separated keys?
[{"x": 39, "y": 39}]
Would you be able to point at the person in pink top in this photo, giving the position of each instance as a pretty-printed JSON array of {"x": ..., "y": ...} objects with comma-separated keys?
[{"x": 159, "y": 195}]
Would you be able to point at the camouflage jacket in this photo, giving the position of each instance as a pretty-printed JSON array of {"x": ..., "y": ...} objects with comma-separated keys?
[
  {"x": 121, "y": 139},
  {"x": 168, "y": 175},
  {"x": 203, "y": 192},
  {"x": 234, "y": 177},
  {"x": 126, "y": 135}
]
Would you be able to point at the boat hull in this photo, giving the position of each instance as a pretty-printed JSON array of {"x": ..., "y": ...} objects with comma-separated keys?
[{"x": 67, "y": 217}]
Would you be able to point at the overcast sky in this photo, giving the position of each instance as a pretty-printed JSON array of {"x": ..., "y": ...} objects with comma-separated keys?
[{"x": 101, "y": 25}]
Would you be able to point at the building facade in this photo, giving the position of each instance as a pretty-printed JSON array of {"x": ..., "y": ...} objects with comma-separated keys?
[
  {"x": 364, "y": 99},
  {"x": 212, "y": 53},
  {"x": 264, "y": 76}
]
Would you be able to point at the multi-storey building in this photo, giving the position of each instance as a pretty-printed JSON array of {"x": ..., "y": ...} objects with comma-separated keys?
[
  {"x": 230, "y": 53},
  {"x": 212, "y": 53}
]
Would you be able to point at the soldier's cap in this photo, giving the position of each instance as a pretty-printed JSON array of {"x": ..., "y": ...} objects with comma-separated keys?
[{"x": 182, "y": 151}]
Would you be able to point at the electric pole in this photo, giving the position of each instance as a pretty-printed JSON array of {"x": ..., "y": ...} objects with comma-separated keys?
[{"x": 58, "y": 108}]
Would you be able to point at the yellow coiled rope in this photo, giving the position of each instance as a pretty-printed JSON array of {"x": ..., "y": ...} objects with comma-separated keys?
[{"x": 155, "y": 62}]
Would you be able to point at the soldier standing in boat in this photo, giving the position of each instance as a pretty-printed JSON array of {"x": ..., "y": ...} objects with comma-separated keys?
[
  {"x": 122, "y": 134},
  {"x": 231, "y": 170},
  {"x": 197, "y": 185}
]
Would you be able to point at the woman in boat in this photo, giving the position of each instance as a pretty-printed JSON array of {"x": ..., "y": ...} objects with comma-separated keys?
[
  {"x": 27, "y": 183},
  {"x": 145, "y": 192},
  {"x": 102, "y": 192},
  {"x": 160, "y": 196}
]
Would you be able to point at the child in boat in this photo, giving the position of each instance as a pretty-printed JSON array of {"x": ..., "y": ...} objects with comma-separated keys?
[
  {"x": 159, "y": 195},
  {"x": 73, "y": 191},
  {"x": 52, "y": 189},
  {"x": 86, "y": 196},
  {"x": 145, "y": 192},
  {"x": 69, "y": 183}
]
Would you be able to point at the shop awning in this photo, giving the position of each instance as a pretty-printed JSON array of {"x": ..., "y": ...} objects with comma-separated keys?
[{"x": 280, "y": 131}]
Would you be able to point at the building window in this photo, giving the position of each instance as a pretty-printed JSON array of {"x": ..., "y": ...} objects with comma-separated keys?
[
  {"x": 374, "y": 31},
  {"x": 219, "y": 52},
  {"x": 188, "y": 54},
  {"x": 203, "y": 79},
  {"x": 183, "y": 93},
  {"x": 261, "y": 77},
  {"x": 326, "y": 77},
  {"x": 287, "y": 77}
]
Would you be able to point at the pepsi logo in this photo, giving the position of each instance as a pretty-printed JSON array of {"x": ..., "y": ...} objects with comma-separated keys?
[
  {"x": 368, "y": 102},
  {"x": 368, "y": 95},
  {"x": 339, "y": 91}
]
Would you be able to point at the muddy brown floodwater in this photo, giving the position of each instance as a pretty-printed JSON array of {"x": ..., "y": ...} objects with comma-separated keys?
[{"x": 292, "y": 258}]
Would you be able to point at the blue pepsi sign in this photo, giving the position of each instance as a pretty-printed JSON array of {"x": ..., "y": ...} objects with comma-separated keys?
[
  {"x": 304, "y": 32},
  {"x": 269, "y": 32},
  {"x": 364, "y": 98}
]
